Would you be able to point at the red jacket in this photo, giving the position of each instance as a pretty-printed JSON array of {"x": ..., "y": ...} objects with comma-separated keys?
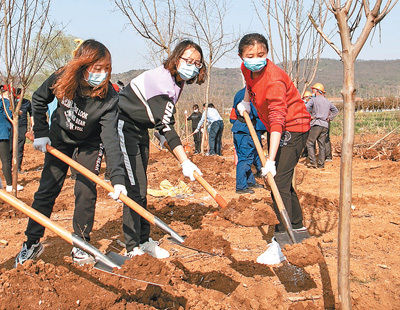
[{"x": 277, "y": 100}]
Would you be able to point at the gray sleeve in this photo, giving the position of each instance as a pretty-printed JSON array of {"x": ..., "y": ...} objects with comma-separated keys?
[{"x": 333, "y": 111}]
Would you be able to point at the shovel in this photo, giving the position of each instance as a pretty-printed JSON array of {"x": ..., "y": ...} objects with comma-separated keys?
[
  {"x": 108, "y": 187},
  {"x": 104, "y": 262},
  {"x": 213, "y": 193},
  {"x": 281, "y": 207}
]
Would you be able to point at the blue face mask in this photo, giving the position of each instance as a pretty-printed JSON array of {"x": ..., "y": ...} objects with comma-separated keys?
[
  {"x": 255, "y": 64},
  {"x": 187, "y": 71},
  {"x": 95, "y": 79}
]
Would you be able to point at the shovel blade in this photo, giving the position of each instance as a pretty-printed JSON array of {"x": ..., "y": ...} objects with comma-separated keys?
[
  {"x": 115, "y": 257},
  {"x": 283, "y": 237}
]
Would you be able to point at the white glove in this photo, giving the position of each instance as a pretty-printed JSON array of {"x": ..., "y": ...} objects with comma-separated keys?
[
  {"x": 268, "y": 167},
  {"x": 118, "y": 189},
  {"x": 40, "y": 144},
  {"x": 188, "y": 168},
  {"x": 196, "y": 131},
  {"x": 243, "y": 106}
]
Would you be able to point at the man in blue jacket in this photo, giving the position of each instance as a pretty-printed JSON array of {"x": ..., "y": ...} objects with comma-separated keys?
[{"x": 244, "y": 146}]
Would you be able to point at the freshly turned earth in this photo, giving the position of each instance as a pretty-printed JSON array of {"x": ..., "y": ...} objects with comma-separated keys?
[{"x": 192, "y": 280}]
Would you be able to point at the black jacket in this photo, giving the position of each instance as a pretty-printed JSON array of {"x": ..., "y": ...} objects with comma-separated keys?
[
  {"x": 83, "y": 120},
  {"x": 195, "y": 117}
]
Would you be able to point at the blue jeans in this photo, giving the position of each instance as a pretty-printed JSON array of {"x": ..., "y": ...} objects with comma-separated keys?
[
  {"x": 245, "y": 151},
  {"x": 215, "y": 139}
]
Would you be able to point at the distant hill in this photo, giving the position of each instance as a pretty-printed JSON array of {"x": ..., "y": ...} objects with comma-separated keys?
[{"x": 373, "y": 77}]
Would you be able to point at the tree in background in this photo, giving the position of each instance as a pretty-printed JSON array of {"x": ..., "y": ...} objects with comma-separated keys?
[
  {"x": 155, "y": 21},
  {"x": 27, "y": 36},
  {"x": 207, "y": 28},
  {"x": 299, "y": 44},
  {"x": 350, "y": 16}
]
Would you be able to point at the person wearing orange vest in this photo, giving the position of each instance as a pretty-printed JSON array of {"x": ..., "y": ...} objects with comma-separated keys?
[{"x": 281, "y": 109}]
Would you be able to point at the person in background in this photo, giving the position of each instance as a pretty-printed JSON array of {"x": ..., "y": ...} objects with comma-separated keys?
[
  {"x": 85, "y": 119},
  {"x": 281, "y": 109},
  {"x": 322, "y": 112},
  {"x": 195, "y": 118},
  {"x": 5, "y": 136},
  {"x": 215, "y": 129},
  {"x": 244, "y": 146},
  {"x": 26, "y": 108},
  {"x": 306, "y": 97},
  {"x": 148, "y": 101},
  {"x": 260, "y": 130}
]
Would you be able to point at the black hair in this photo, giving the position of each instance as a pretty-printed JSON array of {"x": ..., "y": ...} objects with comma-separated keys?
[
  {"x": 252, "y": 39},
  {"x": 195, "y": 106},
  {"x": 210, "y": 105}
]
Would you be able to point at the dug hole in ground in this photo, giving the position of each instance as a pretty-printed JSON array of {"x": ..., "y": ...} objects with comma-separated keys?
[{"x": 231, "y": 279}]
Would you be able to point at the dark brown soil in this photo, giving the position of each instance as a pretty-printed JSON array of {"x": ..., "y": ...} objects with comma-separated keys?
[
  {"x": 205, "y": 240},
  {"x": 247, "y": 212}
]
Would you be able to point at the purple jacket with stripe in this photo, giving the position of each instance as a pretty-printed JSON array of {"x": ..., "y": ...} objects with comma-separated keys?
[{"x": 149, "y": 102}]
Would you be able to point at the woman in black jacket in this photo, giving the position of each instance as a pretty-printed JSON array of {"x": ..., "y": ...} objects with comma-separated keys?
[{"x": 86, "y": 119}]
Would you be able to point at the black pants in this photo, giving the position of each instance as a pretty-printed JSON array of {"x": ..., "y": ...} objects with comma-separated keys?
[
  {"x": 328, "y": 145},
  {"x": 197, "y": 142},
  {"x": 5, "y": 156},
  {"x": 289, "y": 152},
  {"x": 52, "y": 180},
  {"x": 317, "y": 133},
  {"x": 134, "y": 142},
  {"x": 215, "y": 138},
  {"x": 21, "y": 144}
]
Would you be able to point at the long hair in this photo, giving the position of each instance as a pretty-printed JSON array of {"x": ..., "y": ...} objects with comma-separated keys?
[
  {"x": 72, "y": 74},
  {"x": 171, "y": 62}
]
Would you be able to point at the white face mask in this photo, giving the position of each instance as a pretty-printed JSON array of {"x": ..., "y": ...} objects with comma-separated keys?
[
  {"x": 196, "y": 110},
  {"x": 95, "y": 79}
]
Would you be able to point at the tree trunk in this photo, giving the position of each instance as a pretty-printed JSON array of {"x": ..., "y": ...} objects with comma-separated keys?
[
  {"x": 348, "y": 93},
  {"x": 207, "y": 97},
  {"x": 14, "y": 162}
]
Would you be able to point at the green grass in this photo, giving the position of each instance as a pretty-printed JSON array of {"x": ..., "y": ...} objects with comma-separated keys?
[{"x": 369, "y": 123}]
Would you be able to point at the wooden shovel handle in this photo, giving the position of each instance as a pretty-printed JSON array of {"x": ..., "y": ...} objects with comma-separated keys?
[
  {"x": 95, "y": 178},
  {"x": 263, "y": 159},
  {"x": 36, "y": 216},
  {"x": 214, "y": 194}
]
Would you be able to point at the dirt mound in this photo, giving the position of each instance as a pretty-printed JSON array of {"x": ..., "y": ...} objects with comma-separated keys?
[
  {"x": 247, "y": 212},
  {"x": 188, "y": 213},
  {"x": 206, "y": 241},
  {"x": 147, "y": 268},
  {"x": 45, "y": 286},
  {"x": 303, "y": 254}
]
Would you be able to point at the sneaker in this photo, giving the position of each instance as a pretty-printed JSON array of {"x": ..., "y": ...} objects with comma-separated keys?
[
  {"x": 33, "y": 252},
  {"x": 151, "y": 247},
  {"x": 21, "y": 171},
  {"x": 80, "y": 257},
  {"x": 255, "y": 185},
  {"x": 135, "y": 252},
  {"x": 311, "y": 166},
  {"x": 273, "y": 255},
  {"x": 244, "y": 191},
  {"x": 328, "y": 159},
  {"x": 9, "y": 188}
]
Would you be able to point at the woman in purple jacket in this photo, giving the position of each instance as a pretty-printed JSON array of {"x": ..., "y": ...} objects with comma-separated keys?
[{"x": 149, "y": 102}]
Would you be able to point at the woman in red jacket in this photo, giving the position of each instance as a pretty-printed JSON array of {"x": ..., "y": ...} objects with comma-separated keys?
[{"x": 281, "y": 109}]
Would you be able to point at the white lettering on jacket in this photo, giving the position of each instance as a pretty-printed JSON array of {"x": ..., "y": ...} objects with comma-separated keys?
[
  {"x": 75, "y": 118},
  {"x": 167, "y": 116}
]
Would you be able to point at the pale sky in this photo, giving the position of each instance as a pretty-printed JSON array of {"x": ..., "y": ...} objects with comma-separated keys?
[{"x": 100, "y": 20}]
